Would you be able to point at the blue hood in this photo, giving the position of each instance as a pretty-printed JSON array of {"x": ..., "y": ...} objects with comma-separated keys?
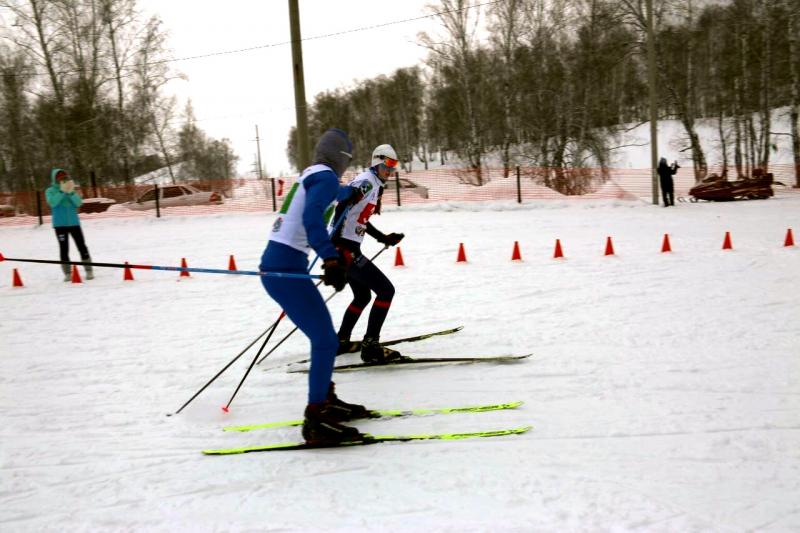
[{"x": 54, "y": 172}]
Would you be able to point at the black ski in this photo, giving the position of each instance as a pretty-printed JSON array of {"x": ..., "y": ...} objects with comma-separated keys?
[
  {"x": 405, "y": 361},
  {"x": 355, "y": 346}
]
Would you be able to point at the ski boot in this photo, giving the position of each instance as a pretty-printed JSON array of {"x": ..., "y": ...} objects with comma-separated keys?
[
  {"x": 321, "y": 426},
  {"x": 373, "y": 352},
  {"x": 88, "y": 268},
  {"x": 67, "y": 272},
  {"x": 346, "y": 346},
  {"x": 342, "y": 410}
]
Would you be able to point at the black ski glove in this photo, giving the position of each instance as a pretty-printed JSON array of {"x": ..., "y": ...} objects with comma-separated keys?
[
  {"x": 392, "y": 239},
  {"x": 335, "y": 273},
  {"x": 356, "y": 196}
]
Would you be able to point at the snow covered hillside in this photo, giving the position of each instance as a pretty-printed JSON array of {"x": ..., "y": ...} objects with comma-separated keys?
[{"x": 664, "y": 389}]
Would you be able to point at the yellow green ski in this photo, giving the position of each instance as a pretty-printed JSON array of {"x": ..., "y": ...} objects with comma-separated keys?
[
  {"x": 389, "y": 413},
  {"x": 370, "y": 439}
]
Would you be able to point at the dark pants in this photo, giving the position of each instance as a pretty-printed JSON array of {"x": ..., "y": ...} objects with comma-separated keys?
[
  {"x": 364, "y": 279},
  {"x": 667, "y": 192},
  {"x": 63, "y": 233}
]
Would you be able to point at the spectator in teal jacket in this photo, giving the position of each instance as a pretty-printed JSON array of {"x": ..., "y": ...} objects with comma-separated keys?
[{"x": 64, "y": 203}]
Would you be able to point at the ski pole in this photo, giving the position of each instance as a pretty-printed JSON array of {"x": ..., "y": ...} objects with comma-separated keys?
[
  {"x": 168, "y": 268},
  {"x": 326, "y": 301},
  {"x": 333, "y": 230},
  {"x": 204, "y": 387},
  {"x": 270, "y": 329}
]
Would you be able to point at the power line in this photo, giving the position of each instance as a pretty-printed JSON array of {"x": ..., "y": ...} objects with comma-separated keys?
[{"x": 272, "y": 45}]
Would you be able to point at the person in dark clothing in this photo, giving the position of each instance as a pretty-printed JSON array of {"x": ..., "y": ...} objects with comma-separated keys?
[
  {"x": 363, "y": 276},
  {"x": 299, "y": 227},
  {"x": 665, "y": 173},
  {"x": 64, "y": 203}
]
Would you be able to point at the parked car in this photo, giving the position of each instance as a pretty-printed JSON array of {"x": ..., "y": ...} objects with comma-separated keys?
[
  {"x": 96, "y": 205},
  {"x": 7, "y": 209},
  {"x": 173, "y": 196},
  {"x": 406, "y": 185}
]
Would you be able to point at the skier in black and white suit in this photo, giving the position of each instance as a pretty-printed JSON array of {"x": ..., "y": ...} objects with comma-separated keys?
[{"x": 362, "y": 275}]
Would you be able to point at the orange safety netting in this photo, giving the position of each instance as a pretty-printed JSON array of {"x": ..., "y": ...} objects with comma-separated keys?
[{"x": 432, "y": 186}]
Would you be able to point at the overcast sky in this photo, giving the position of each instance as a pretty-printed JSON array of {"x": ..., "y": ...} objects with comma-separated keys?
[{"x": 233, "y": 92}]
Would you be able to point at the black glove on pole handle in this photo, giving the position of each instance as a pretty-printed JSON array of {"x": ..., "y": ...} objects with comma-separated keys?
[
  {"x": 335, "y": 273},
  {"x": 335, "y": 227},
  {"x": 386, "y": 247},
  {"x": 393, "y": 239}
]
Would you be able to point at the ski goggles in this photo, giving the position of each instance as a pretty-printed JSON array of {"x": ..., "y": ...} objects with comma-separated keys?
[{"x": 389, "y": 162}]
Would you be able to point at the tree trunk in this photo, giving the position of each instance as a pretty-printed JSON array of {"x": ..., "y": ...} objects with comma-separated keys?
[
  {"x": 766, "y": 70},
  {"x": 698, "y": 157},
  {"x": 722, "y": 142},
  {"x": 752, "y": 142},
  {"x": 737, "y": 152},
  {"x": 508, "y": 31},
  {"x": 123, "y": 133},
  {"x": 794, "y": 58},
  {"x": 44, "y": 36},
  {"x": 159, "y": 132}
]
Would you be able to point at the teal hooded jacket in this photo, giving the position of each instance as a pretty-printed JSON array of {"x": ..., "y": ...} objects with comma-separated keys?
[{"x": 64, "y": 206}]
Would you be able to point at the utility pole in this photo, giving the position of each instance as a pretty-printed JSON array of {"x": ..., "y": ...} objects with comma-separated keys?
[
  {"x": 258, "y": 154},
  {"x": 303, "y": 150},
  {"x": 255, "y": 170},
  {"x": 260, "y": 177},
  {"x": 651, "y": 81}
]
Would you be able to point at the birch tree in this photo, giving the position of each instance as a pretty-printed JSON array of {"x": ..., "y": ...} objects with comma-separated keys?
[{"x": 458, "y": 54}]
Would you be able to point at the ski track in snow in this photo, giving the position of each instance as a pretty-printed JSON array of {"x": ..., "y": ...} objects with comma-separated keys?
[{"x": 663, "y": 389}]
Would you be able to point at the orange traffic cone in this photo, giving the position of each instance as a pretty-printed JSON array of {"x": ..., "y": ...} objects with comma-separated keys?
[
  {"x": 462, "y": 255},
  {"x": 184, "y": 273},
  {"x": 515, "y": 255},
  {"x": 17, "y": 280},
  {"x": 558, "y": 253},
  {"x": 128, "y": 276},
  {"x": 727, "y": 245},
  {"x": 76, "y": 276},
  {"x": 789, "y": 238},
  {"x": 232, "y": 264},
  {"x": 665, "y": 247},
  {"x": 609, "y": 247},
  {"x": 398, "y": 258}
]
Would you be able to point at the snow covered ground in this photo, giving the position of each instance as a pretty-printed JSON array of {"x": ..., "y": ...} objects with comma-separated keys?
[{"x": 664, "y": 390}]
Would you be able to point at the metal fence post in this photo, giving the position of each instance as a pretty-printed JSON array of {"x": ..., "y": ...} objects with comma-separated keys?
[
  {"x": 158, "y": 204},
  {"x": 519, "y": 188},
  {"x": 39, "y": 206},
  {"x": 94, "y": 183},
  {"x": 397, "y": 182},
  {"x": 274, "y": 201}
]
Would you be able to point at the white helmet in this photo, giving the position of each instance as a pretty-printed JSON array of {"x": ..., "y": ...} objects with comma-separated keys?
[{"x": 382, "y": 153}]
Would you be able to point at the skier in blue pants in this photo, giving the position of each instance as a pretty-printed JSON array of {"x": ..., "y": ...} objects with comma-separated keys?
[{"x": 300, "y": 227}]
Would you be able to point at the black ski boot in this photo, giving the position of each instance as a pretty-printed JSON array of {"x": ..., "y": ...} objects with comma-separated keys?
[
  {"x": 321, "y": 426},
  {"x": 342, "y": 410},
  {"x": 373, "y": 352},
  {"x": 346, "y": 346}
]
